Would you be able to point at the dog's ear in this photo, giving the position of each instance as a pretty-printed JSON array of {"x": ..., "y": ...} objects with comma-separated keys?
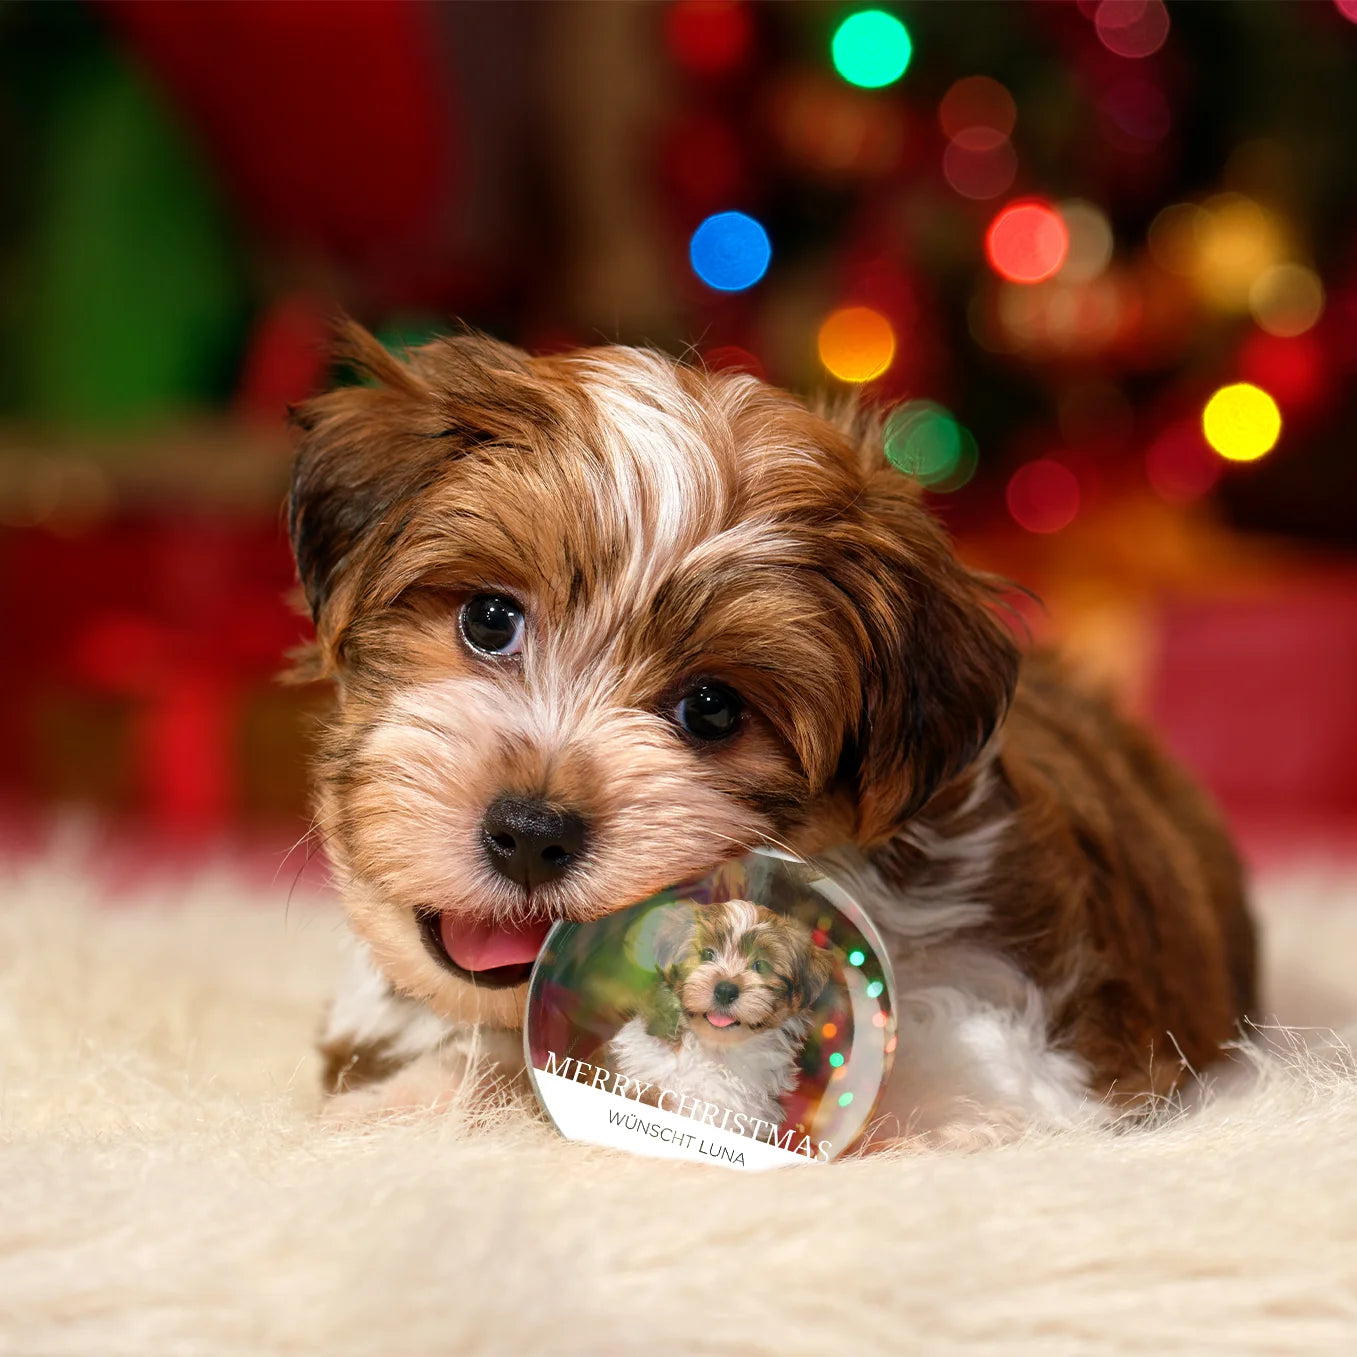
[
  {"x": 817, "y": 971},
  {"x": 937, "y": 667},
  {"x": 364, "y": 451},
  {"x": 674, "y": 937}
]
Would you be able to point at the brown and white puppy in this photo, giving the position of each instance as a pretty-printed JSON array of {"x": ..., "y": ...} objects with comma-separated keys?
[
  {"x": 736, "y": 984},
  {"x": 598, "y": 621}
]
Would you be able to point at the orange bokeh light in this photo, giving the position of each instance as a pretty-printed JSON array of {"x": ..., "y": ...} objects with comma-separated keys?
[
  {"x": 856, "y": 343},
  {"x": 1027, "y": 242}
]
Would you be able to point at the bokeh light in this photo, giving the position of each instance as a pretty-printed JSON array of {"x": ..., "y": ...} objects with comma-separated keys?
[
  {"x": 1237, "y": 240},
  {"x": 871, "y": 48},
  {"x": 1090, "y": 241},
  {"x": 1063, "y": 317},
  {"x": 874, "y": 989},
  {"x": 980, "y": 163},
  {"x": 856, "y": 344},
  {"x": 1292, "y": 370},
  {"x": 1043, "y": 496},
  {"x": 730, "y": 251},
  {"x": 845, "y": 1099},
  {"x": 1242, "y": 422},
  {"x": 1180, "y": 465},
  {"x": 830, "y": 1030},
  {"x": 1137, "y": 108},
  {"x": 732, "y": 358},
  {"x": 855, "y": 959},
  {"x": 836, "y": 1059},
  {"x": 1173, "y": 237},
  {"x": 1287, "y": 299},
  {"x": 924, "y": 441},
  {"x": 1132, "y": 28},
  {"x": 709, "y": 37},
  {"x": 1027, "y": 241},
  {"x": 977, "y": 101},
  {"x": 1348, "y": 9},
  {"x": 835, "y": 130}
]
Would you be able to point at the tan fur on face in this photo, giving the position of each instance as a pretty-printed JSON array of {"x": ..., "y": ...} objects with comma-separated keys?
[{"x": 770, "y": 958}]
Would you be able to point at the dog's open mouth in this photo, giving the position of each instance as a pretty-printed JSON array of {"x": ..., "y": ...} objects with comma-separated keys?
[{"x": 495, "y": 957}]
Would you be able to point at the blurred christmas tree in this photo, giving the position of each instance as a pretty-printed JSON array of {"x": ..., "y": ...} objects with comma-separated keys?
[{"x": 1090, "y": 244}]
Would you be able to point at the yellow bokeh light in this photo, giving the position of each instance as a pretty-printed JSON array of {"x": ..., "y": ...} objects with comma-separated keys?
[
  {"x": 856, "y": 344},
  {"x": 1287, "y": 299},
  {"x": 1242, "y": 422}
]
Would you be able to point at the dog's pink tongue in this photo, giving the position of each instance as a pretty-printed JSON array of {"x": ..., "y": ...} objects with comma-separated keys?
[
  {"x": 484, "y": 947},
  {"x": 720, "y": 1019}
]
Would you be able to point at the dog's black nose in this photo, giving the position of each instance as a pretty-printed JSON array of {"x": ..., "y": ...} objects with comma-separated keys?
[
  {"x": 531, "y": 842},
  {"x": 726, "y": 992}
]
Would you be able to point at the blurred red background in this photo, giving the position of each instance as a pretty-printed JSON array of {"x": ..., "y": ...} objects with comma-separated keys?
[{"x": 1102, "y": 252}]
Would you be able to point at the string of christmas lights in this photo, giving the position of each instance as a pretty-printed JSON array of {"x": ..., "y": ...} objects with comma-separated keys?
[{"x": 1222, "y": 281}]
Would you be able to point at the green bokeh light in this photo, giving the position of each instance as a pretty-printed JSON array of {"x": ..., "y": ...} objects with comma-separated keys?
[
  {"x": 874, "y": 989},
  {"x": 836, "y": 1059},
  {"x": 845, "y": 1099},
  {"x": 924, "y": 441},
  {"x": 856, "y": 958},
  {"x": 871, "y": 48}
]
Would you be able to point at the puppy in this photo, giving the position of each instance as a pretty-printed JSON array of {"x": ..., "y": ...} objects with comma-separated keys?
[
  {"x": 732, "y": 1006},
  {"x": 597, "y": 622}
]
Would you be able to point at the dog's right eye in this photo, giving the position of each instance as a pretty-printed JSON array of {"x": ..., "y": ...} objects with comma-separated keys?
[
  {"x": 492, "y": 624},
  {"x": 708, "y": 954},
  {"x": 711, "y": 711}
]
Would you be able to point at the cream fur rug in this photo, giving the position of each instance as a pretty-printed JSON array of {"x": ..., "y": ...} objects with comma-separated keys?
[{"x": 165, "y": 1187}]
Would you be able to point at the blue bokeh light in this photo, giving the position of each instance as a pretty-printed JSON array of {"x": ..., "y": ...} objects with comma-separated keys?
[{"x": 730, "y": 251}]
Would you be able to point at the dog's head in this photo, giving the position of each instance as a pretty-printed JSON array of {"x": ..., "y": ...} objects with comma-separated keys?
[
  {"x": 598, "y": 622},
  {"x": 738, "y": 969}
]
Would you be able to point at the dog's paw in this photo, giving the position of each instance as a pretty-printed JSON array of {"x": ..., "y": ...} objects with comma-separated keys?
[
  {"x": 429, "y": 1084},
  {"x": 472, "y": 1070},
  {"x": 961, "y": 1135}
]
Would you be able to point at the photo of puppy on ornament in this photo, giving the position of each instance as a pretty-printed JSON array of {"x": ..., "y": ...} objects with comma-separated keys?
[{"x": 730, "y": 1008}]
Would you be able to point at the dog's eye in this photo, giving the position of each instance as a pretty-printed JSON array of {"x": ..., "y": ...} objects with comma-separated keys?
[
  {"x": 492, "y": 624},
  {"x": 708, "y": 954},
  {"x": 759, "y": 967},
  {"x": 711, "y": 712}
]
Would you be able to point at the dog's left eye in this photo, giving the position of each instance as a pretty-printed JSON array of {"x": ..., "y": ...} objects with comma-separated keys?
[
  {"x": 708, "y": 954},
  {"x": 492, "y": 624},
  {"x": 760, "y": 967}
]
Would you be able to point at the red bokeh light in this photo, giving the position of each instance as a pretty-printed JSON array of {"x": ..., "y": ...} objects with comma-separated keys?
[
  {"x": 979, "y": 162},
  {"x": 977, "y": 101},
  {"x": 1043, "y": 496},
  {"x": 1027, "y": 241},
  {"x": 1291, "y": 370},
  {"x": 709, "y": 37},
  {"x": 1180, "y": 465},
  {"x": 703, "y": 163},
  {"x": 1132, "y": 28},
  {"x": 732, "y": 358}
]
